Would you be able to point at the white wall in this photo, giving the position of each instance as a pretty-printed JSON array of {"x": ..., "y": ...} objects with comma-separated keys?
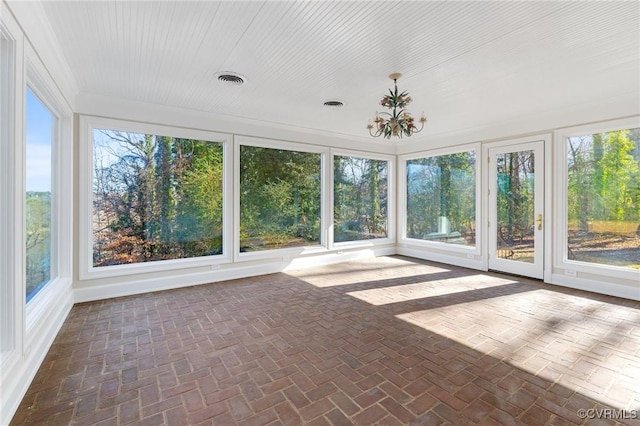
[{"x": 28, "y": 329}]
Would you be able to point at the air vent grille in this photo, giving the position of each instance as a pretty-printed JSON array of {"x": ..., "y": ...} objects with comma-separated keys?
[
  {"x": 231, "y": 78},
  {"x": 334, "y": 104}
]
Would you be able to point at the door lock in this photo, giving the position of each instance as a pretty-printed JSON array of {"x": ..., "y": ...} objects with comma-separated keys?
[{"x": 539, "y": 220}]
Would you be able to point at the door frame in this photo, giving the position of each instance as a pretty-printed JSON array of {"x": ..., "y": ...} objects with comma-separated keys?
[{"x": 544, "y": 271}]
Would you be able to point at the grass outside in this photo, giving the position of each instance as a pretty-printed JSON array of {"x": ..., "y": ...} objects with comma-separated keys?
[
  {"x": 605, "y": 248},
  {"x": 605, "y": 243}
]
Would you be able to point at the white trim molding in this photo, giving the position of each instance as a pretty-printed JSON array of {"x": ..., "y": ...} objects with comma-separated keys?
[
  {"x": 391, "y": 200},
  {"x": 601, "y": 278},
  {"x": 85, "y": 183},
  {"x": 144, "y": 284},
  {"x": 471, "y": 255},
  {"x": 29, "y": 328},
  {"x": 285, "y": 253}
]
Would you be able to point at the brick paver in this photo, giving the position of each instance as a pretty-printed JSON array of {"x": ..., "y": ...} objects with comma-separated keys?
[{"x": 390, "y": 341}]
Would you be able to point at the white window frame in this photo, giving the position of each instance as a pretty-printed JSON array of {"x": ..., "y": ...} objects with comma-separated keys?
[
  {"x": 86, "y": 268},
  {"x": 36, "y": 88},
  {"x": 471, "y": 252},
  {"x": 39, "y": 82},
  {"x": 541, "y": 160},
  {"x": 325, "y": 182},
  {"x": 570, "y": 268},
  {"x": 10, "y": 296},
  {"x": 391, "y": 201}
]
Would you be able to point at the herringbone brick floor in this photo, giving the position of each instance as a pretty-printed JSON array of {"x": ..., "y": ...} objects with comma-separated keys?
[{"x": 387, "y": 341}]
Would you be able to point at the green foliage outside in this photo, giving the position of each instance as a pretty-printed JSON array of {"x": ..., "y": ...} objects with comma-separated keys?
[
  {"x": 38, "y": 240},
  {"x": 158, "y": 197},
  {"x": 441, "y": 203},
  {"x": 604, "y": 198},
  {"x": 515, "y": 204},
  {"x": 155, "y": 198},
  {"x": 360, "y": 188},
  {"x": 280, "y": 196}
]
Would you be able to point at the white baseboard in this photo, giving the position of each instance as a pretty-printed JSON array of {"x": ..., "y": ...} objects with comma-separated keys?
[
  {"x": 339, "y": 257},
  {"x": 237, "y": 270},
  {"x": 595, "y": 286},
  {"x": 19, "y": 374},
  {"x": 442, "y": 258},
  {"x": 142, "y": 285}
]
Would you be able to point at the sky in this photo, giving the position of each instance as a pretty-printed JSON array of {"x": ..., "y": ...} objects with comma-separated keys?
[{"x": 39, "y": 130}]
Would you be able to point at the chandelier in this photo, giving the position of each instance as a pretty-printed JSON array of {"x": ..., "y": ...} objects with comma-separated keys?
[{"x": 398, "y": 122}]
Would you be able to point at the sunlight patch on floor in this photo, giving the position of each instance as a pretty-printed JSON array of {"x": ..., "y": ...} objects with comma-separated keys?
[
  {"x": 377, "y": 269},
  {"x": 425, "y": 289},
  {"x": 589, "y": 346}
]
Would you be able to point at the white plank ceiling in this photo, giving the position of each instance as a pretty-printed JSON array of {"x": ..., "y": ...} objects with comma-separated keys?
[{"x": 466, "y": 64}]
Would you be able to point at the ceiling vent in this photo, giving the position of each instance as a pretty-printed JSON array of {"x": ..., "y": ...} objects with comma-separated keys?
[
  {"x": 231, "y": 78},
  {"x": 334, "y": 104}
]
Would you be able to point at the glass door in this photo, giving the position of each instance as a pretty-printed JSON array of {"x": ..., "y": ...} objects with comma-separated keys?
[{"x": 516, "y": 208}]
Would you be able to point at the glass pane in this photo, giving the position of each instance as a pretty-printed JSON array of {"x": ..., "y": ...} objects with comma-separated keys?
[
  {"x": 38, "y": 160},
  {"x": 360, "y": 198},
  {"x": 603, "y": 197},
  {"x": 441, "y": 198},
  {"x": 515, "y": 206},
  {"x": 155, "y": 198},
  {"x": 279, "y": 198}
]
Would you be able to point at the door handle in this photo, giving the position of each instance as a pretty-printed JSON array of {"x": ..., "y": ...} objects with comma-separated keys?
[{"x": 539, "y": 220}]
